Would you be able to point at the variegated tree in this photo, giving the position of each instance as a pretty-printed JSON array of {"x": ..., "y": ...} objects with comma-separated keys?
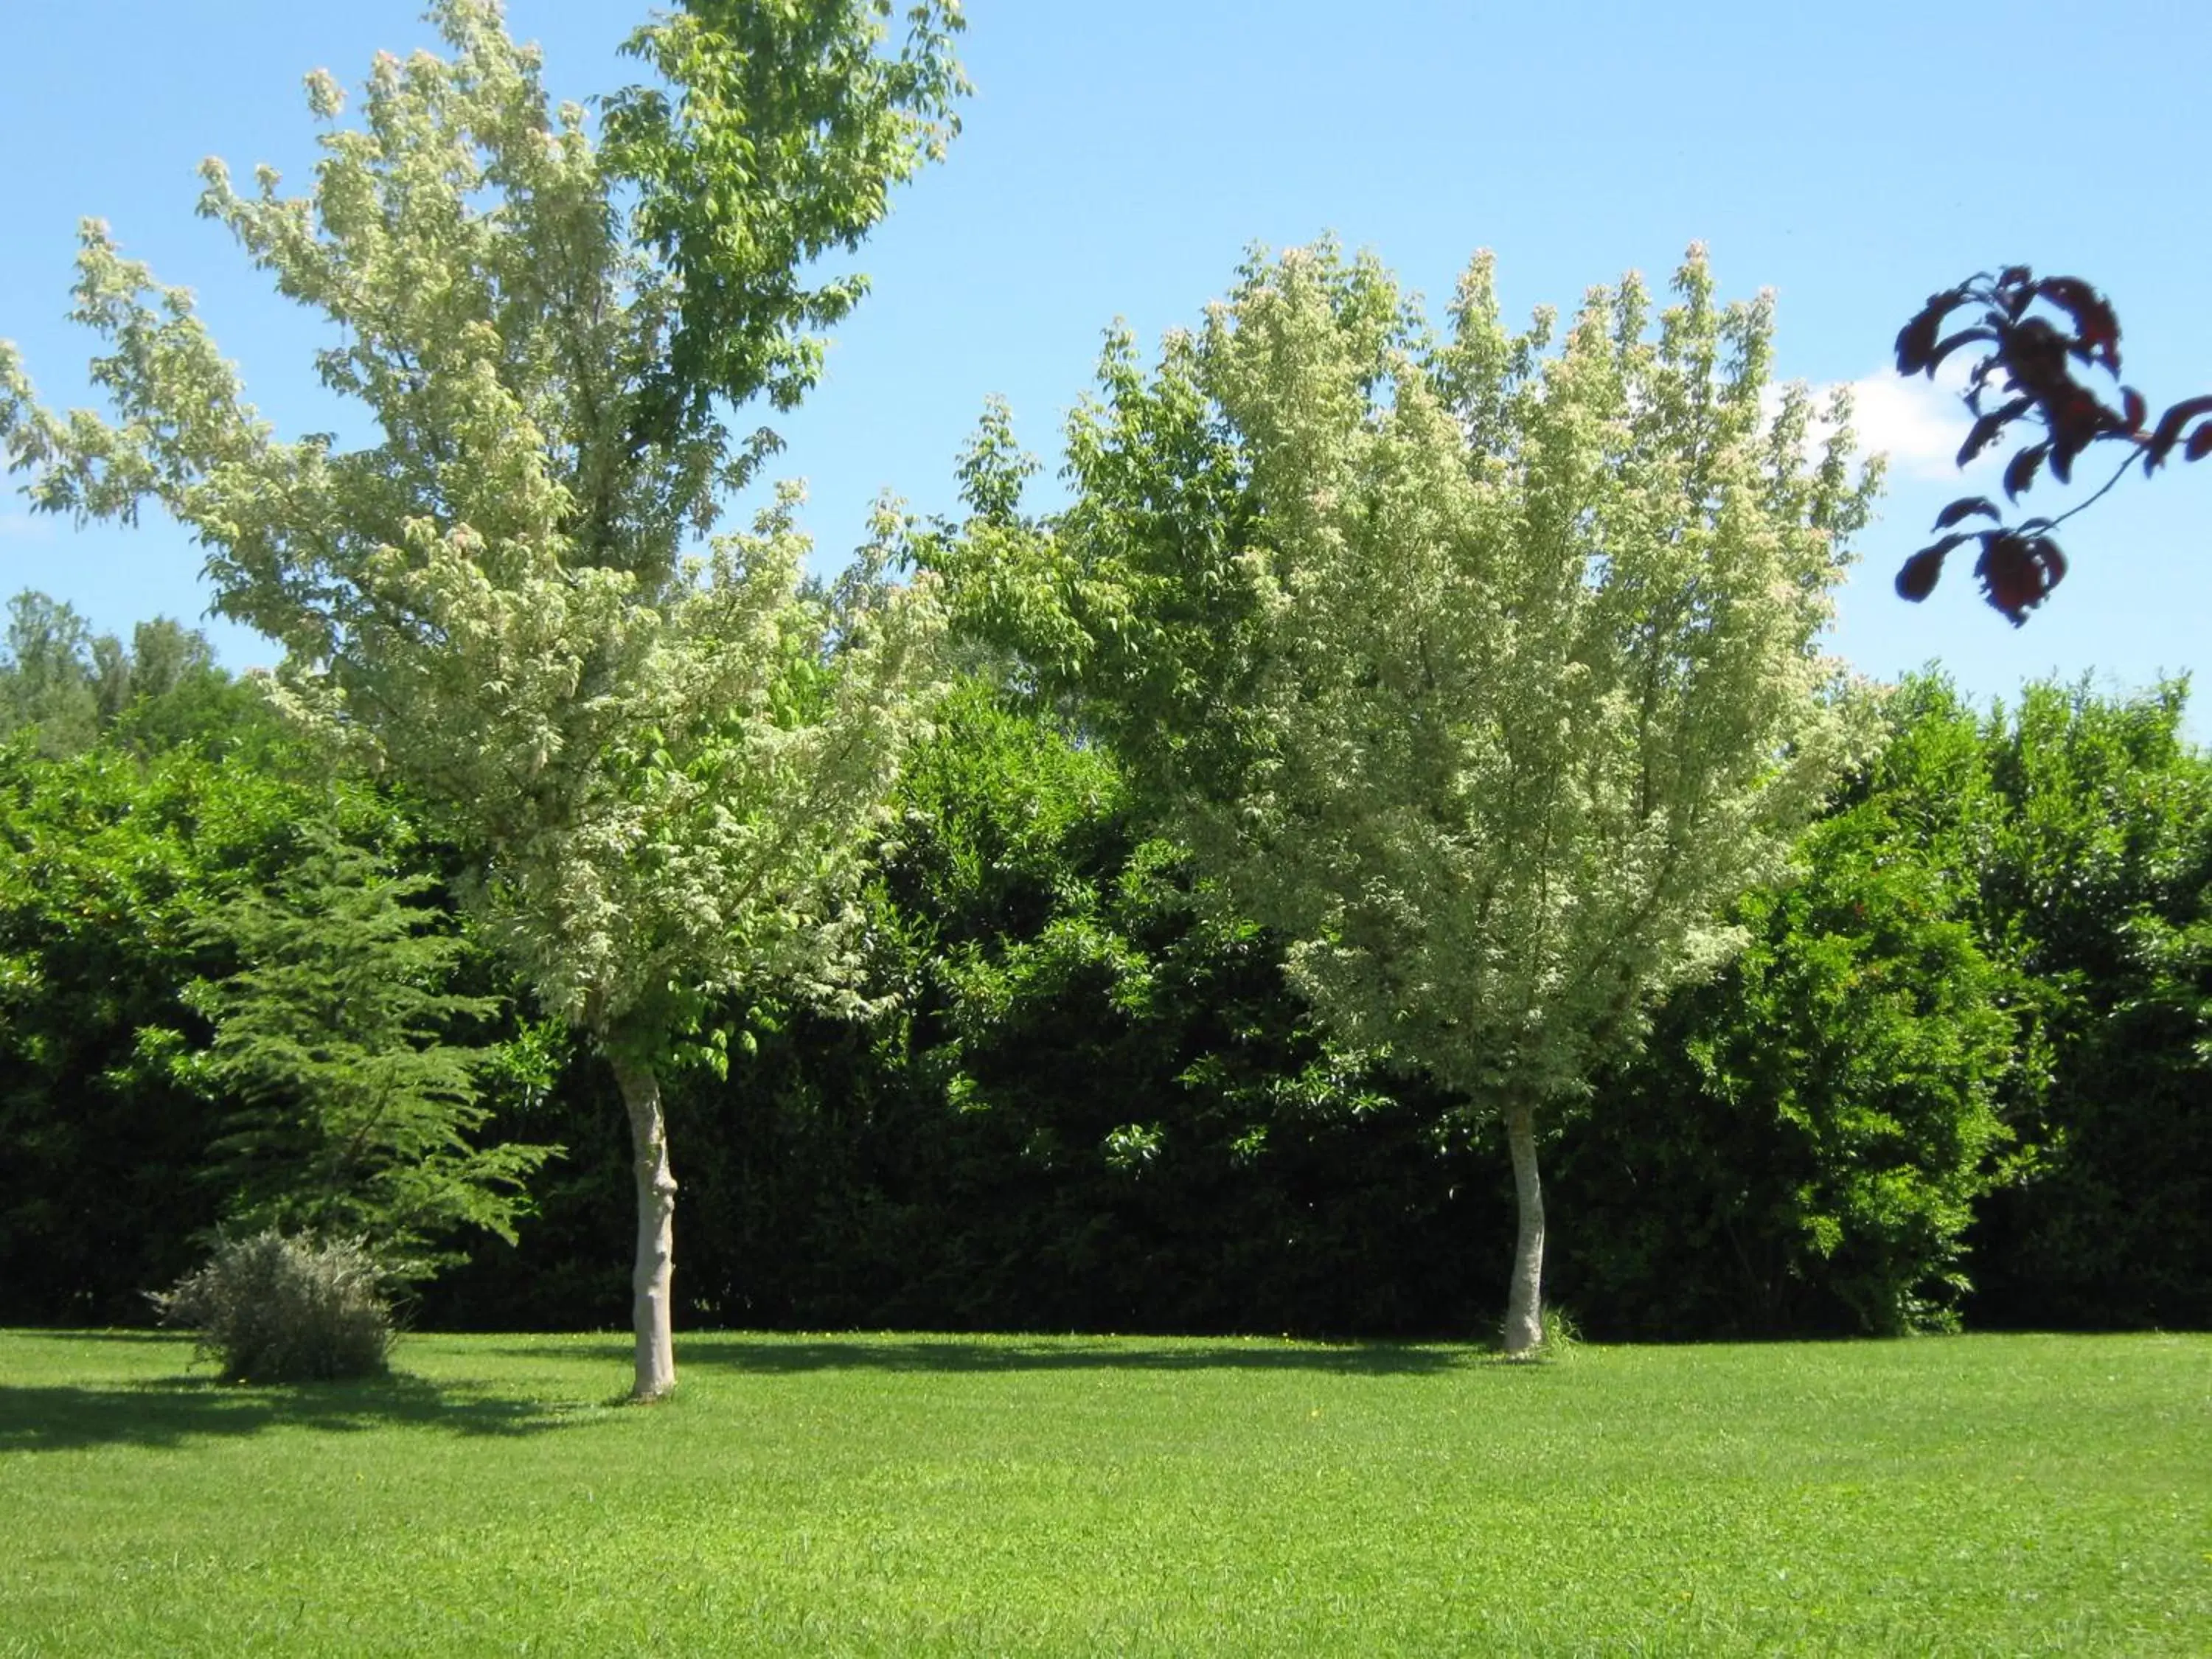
[
  {"x": 665, "y": 755},
  {"x": 1486, "y": 674}
]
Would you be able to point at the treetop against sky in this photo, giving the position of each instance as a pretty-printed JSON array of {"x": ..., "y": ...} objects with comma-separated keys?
[{"x": 1118, "y": 160}]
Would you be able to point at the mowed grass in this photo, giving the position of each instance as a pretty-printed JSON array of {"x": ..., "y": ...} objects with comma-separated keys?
[{"x": 916, "y": 1495}]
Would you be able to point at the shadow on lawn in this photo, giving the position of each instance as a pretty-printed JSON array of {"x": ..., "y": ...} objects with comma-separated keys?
[
  {"x": 780, "y": 1355},
  {"x": 171, "y": 1410}
]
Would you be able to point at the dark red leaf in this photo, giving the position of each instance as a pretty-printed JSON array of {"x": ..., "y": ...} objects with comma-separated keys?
[
  {"x": 2169, "y": 430},
  {"x": 2015, "y": 276},
  {"x": 1943, "y": 544},
  {"x": 2200, "y": 443},
  {"x": 1916, "y": 578},
  {"x": 2096, "y": 329},
  {"x": 1965, "y": 507},
  {"x": 2017, "y": 572},
  {"x": 2131, "y": 402},
  {"x": 2076, "y": 417},
  {"x": 1985, "y": 430},
  {"x": 1915, "y": 341},
  {"x": 1951, "y": 342},
  {"x": 1917, "y": 338},
  {"x": 2034, "y": 354},
  {"x": 2020, "y": 473}
]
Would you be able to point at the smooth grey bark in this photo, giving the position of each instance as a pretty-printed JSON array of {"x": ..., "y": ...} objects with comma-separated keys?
[
  {"x": 651, "y": 1277},
  {"x": 1524, "y": 1306}
]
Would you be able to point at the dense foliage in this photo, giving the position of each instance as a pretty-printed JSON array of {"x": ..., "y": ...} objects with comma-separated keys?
[
  {"x": 1955, "y": 1073},
  {"x": 144, "y": 886},
  {"x": 1099, "y": 1109},
  {"x": 2097, "y": 873},
  {"x": 1092, "y": 1107},
  {"x": 1808, "y": 1132}
]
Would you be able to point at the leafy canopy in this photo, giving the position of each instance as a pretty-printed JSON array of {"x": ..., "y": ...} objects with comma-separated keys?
[
  {"x": 1488, "y": 675},
  {"x": 790, "y": 128},
  {"x": 660, "y": 756}
]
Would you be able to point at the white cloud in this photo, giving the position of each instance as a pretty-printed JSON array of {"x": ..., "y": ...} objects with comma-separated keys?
[{"x": 1918, "y": 424}]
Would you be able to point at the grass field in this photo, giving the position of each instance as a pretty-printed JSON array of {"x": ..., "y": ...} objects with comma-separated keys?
[{"x": 904, "y": 1495}]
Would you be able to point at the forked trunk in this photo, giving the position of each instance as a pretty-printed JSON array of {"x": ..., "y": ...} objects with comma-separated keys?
[
  {"x": 656, "y": 1230},
  {"x": 1524, "y": 1306}
]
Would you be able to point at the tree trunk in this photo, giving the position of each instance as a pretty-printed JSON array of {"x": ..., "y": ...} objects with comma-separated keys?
[
  {"x": 656, "y": 1230},
  {"x": 1524, "y": 1306}
]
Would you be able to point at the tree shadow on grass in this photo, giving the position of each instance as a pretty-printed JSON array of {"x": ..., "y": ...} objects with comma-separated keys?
[
  {"x": 173, "y": 1411},
  {"x": 773, "y": 1355}
]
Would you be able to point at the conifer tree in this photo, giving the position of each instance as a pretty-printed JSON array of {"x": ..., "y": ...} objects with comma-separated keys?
[{"x": 356, "y": 1107}]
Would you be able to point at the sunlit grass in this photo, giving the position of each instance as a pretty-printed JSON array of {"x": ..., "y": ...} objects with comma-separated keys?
[{"x": 902, "y": 1495}]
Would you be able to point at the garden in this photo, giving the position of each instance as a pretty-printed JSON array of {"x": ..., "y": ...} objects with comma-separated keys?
[{"x": 1337, "y": 1028}]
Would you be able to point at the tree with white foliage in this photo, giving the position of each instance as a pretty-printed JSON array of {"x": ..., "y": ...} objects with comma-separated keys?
[
  {"x": 664, "y": 757},
  {"x": 1487, "y": 674}
]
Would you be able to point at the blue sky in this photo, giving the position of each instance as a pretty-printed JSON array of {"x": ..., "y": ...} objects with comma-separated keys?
[{"x": 1119, "y": 158}]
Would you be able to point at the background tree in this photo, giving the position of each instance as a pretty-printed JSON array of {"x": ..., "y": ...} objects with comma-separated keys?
[
  {"x": 110, "y": 860},
  {"x": 2096, "y": 882},
  {"x": 70, "y": 686},
  {"x": 1804, "y": 1141},
  {"x": 1489, "y": 679},
  {"x": 1098, "y": 1106},
  {"x": 50, "y": 678},
  {"x": 660, "y": 764}
]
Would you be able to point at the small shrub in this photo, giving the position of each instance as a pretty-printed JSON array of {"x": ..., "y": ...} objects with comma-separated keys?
[
  {"x": 1562, "y": 1334},
  {"x": 1561, "y": 1337},
  {"x": 278, "y": 1309}
]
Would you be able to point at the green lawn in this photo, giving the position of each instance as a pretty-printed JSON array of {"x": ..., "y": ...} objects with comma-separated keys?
[{"x": 900, "y": 1495}]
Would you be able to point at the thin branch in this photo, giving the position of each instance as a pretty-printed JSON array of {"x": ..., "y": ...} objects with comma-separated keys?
[{"x": 2100, "y": 493}]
